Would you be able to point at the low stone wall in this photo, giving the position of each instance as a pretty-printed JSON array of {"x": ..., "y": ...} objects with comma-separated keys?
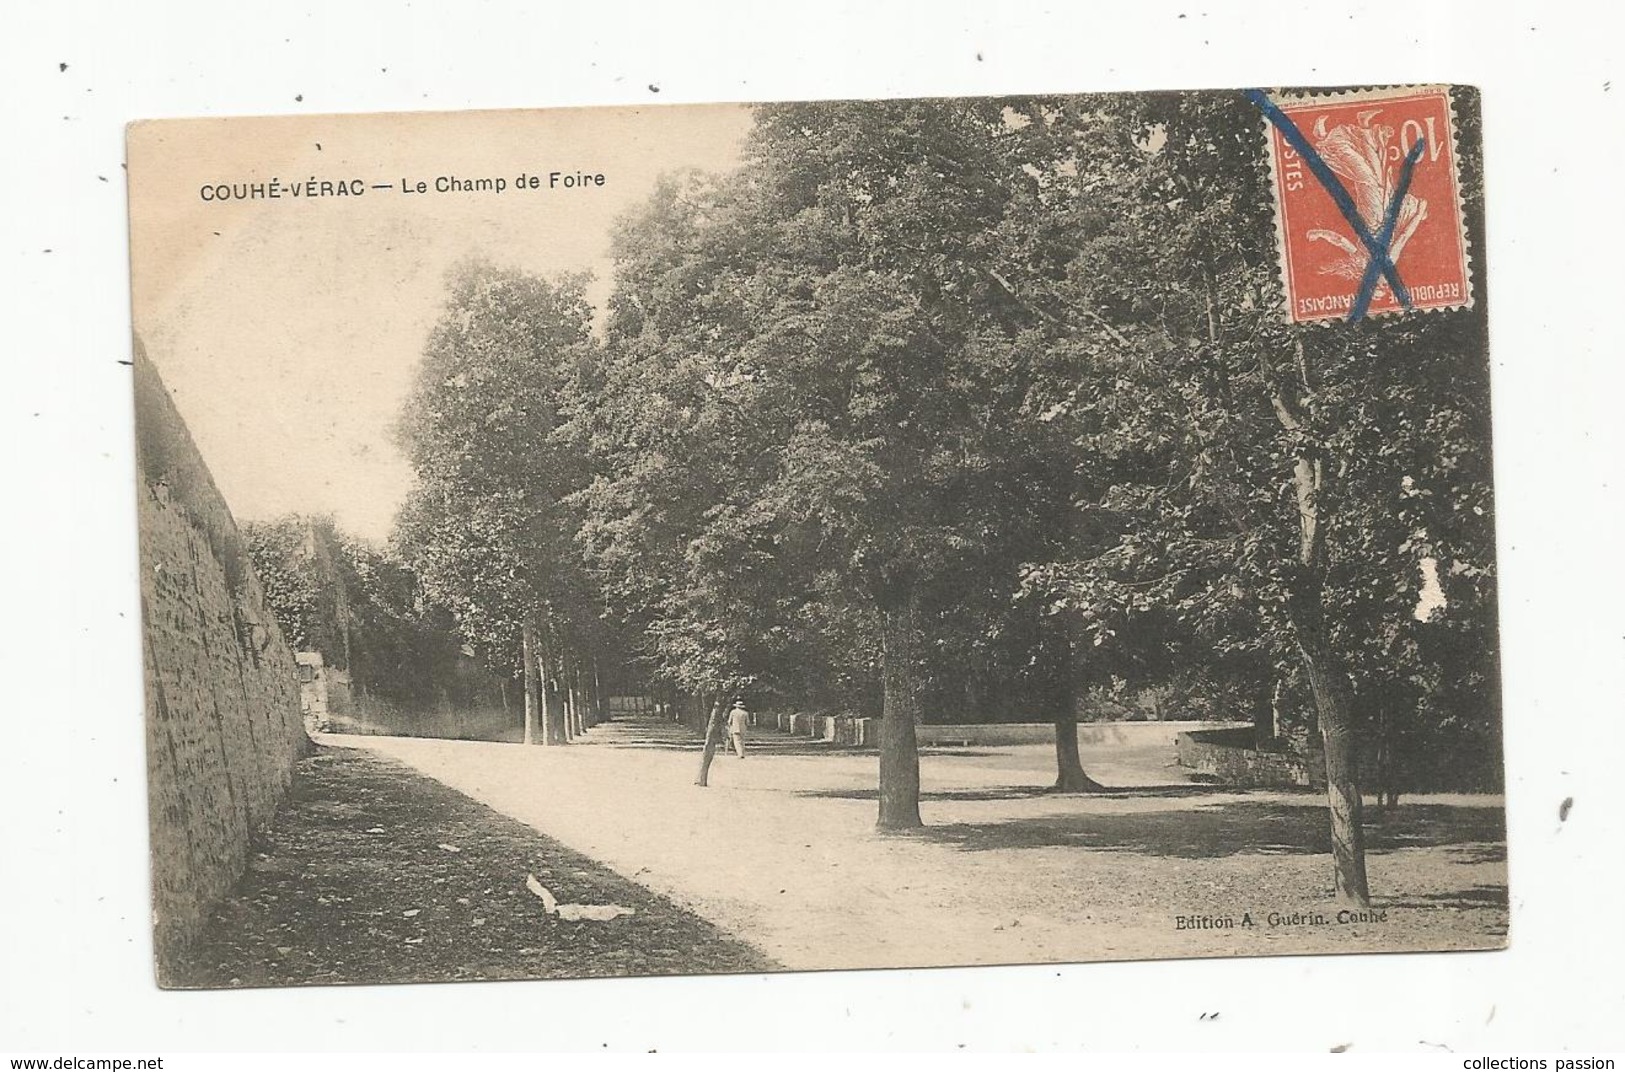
[
  {"x": 986, "y": 733},
  {"x": 847, "y": 730},
  {"x": 222, "y": 690},
  {"x": 1121, "y": 734},
  {"x": 1228, "y": 756},
  {"x": 375, "y": 716},
  {"x": 836, "y": 729}
]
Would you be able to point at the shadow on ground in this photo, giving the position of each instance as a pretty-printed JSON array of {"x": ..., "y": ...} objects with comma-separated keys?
[
  {"x": 1459, "y": 900},
  {"x": 1227, "y": 829},
  {"x": 996, "y": 793}
]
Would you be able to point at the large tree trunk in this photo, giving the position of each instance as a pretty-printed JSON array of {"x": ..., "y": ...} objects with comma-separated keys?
[
  {"x": 1329, "y": 685},
  {"x": 1069, "y": 772},
  {"x": 527, "y": 646},
  {"x": 713, "y": 737},
  {"x": 1328, "y": 681},
  {"x": 899, "y": 745}
]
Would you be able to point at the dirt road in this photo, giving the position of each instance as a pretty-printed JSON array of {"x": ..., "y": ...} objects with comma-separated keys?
[{"x": 780, "y": 850}]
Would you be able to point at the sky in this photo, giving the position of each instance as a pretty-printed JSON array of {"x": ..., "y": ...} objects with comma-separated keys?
[{"x": 288, "y": 330}]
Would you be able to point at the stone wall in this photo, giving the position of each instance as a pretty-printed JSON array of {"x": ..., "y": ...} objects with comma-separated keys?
[
  {"x": 1228, "y": 756},
  {"x": 222, "y": 690}
]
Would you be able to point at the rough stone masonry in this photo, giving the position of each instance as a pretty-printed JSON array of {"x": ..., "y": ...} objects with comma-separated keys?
[{"x": 222, "y": 690}]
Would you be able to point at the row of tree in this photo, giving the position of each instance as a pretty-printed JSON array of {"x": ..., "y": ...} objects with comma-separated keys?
[
  {"x": 935, "y": 402},
  {"x": 370, "y": 615}
]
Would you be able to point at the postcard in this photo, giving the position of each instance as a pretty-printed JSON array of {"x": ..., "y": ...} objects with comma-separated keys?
[{"x": 821, "y": 535}]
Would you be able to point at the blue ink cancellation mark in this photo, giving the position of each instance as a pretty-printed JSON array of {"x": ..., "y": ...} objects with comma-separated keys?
[{"x": 1379, "y": 265}]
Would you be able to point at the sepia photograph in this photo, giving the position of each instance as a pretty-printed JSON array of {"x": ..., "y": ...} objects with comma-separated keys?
[{"x": 891, "y": 533}]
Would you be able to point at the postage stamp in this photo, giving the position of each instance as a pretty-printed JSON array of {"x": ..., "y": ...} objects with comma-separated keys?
[{"x": 1368, "y": 206}]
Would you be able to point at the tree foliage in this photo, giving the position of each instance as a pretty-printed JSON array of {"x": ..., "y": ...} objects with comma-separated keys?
[
  {"x": 484, "y": 526},
  {"x": 357, "y": 605},
  {"x": 987, "y": 404}
]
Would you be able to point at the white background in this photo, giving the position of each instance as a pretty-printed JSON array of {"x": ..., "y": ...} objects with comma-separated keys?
[{"x": 74, "y": 937}]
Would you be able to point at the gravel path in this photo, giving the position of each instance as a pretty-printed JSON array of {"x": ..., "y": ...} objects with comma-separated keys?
[
  {"x": 781, "y": 850},
  {"x": 373, "y": 873}
]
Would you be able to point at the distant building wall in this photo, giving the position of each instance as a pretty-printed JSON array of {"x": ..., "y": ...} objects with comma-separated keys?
[
  {"x": 482, "y": 710},
  {"x": 312, "y": 689},
  {"x": 369, "y": 714},
  {"x": 222, "y": 690}
]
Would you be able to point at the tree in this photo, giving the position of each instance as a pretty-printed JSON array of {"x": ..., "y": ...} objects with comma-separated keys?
[
  {"x": 911, "y": 382},
  {"x": 825, "y": 301},
  {"x": 810, "y": 372},
  {"x": 484, "y": 526},
  {"x": 954, "y": 393},
  {"x": 667, "y": 524},
  {"x": 1261, "y": 463}
]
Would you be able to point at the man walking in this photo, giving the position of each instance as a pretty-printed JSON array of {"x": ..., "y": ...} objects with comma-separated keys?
[{"x": 738, "y": 717}]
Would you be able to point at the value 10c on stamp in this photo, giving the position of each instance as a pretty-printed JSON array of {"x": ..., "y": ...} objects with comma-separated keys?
[{"x": 1368, "y": 203}]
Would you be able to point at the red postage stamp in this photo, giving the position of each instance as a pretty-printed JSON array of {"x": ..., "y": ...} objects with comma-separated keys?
[{"x": 1368, "y": 203}]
